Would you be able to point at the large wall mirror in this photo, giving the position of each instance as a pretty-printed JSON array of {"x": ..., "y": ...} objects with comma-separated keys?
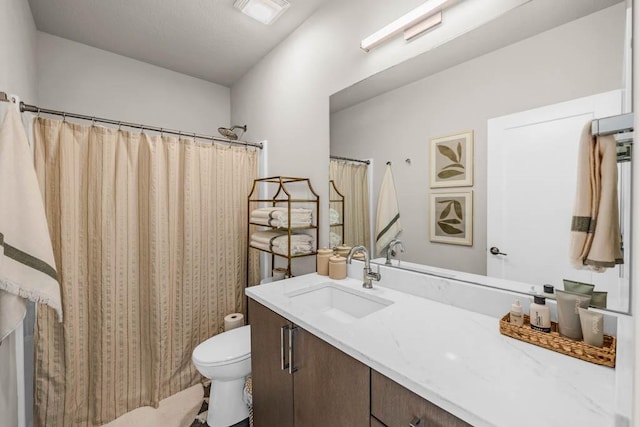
[{"x": 502, "y": 102}]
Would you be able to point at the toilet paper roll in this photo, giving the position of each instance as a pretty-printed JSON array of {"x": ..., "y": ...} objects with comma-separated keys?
[{"x": 233, "y": 320}]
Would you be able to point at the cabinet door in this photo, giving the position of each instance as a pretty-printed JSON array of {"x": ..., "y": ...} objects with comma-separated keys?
[
  {"x": 396, "y": 406},
  {"x": 330, "y": 387},
  {"x": 272, "y": 386},
  {"x": 376, "y": 423}
]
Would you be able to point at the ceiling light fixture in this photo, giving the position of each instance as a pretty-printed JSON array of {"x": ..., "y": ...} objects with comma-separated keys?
[
  {"x": 416, "y": 22},
  {"x": 265, "y": 11}
]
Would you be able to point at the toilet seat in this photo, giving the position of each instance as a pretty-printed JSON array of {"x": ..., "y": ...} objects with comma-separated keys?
[{"x": 225, "y": 348}]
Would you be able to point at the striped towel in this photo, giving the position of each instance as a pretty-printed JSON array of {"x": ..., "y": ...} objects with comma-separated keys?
[
  {"x": 27, "y": 267},
  {"x": 388, "y": 219},
  {"x": 595, "y": 228}
]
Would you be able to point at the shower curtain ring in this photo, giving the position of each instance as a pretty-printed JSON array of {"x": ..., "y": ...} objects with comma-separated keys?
[
  {"x": 194, "y": 137},
  {"x": 119, "y": 126},
  {"x": 93, "y": 121},
  {"x": 64, "y": 117},
  {"x": 161, "y": 133},
  {"x": 38, "y": 112}
]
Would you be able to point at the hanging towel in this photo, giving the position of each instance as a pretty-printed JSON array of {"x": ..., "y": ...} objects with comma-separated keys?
[
  {"x": 27, "y": 267},
  {"x": 595, "y": 228},
  {"x": 388, "y": 219}
]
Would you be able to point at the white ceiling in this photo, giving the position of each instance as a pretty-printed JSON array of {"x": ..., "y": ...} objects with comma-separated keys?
[{"x": 208, "y": 39}]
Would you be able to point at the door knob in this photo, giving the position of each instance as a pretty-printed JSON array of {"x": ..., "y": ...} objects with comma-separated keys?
[
  {"x": 416, "y": 422},
  {"x": 496, "y": 251}
]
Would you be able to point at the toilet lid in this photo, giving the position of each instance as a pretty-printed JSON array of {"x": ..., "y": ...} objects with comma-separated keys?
[{"x": 233, "y": 345}]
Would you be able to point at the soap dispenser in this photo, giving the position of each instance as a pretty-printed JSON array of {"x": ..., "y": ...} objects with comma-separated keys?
[{"x": 515, "y": 315}]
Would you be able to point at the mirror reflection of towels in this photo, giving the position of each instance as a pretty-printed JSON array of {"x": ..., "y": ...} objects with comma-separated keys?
[
  {"x": 595, "y": 228},
  {"x": 388, "y": 218}
]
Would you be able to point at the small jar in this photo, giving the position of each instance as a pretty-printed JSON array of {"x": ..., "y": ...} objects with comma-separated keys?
[
  {"x": 343, "y": 250},
  {"x": 279, "y": 273},
  {"x": 337, "y": 267},
  {"x": 322, "y": 261}
]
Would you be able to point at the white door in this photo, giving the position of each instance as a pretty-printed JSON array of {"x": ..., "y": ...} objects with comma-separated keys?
[{"x": 531, "y": 183}]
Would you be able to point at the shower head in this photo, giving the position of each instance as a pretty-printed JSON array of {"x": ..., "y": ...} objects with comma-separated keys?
[{"x": 229, "y": 133}]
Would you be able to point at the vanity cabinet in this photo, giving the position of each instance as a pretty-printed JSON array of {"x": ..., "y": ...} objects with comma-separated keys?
[
  {"x": 394, "y": 406},
  {"x": 300, "y": 380},
  {"x": 272, "y": 386}
]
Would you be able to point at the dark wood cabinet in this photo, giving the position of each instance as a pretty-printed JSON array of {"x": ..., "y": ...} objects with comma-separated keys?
[
  {"x": 396, "y": 406},
  {"x": 299, "y": 380},
  {"x": 330, "y": 388},
  {"x": 322, "y": 387},
  {"x": 272, "y": 386}
]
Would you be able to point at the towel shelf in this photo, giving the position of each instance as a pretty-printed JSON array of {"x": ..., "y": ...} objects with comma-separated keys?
[{"x": 282, "y": 190}]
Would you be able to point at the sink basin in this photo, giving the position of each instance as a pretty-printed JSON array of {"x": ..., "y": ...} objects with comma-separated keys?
[{"x": 342, "y": 304}]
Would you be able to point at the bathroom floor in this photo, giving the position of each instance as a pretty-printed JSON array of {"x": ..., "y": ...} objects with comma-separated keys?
[{"x": 201, "y": 419}]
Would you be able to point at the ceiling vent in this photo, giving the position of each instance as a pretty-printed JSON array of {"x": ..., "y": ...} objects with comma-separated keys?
[{"x": 265, "y": 11}]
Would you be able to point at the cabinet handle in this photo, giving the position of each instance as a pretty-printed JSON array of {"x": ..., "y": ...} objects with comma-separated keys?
[
  {"x": 416, "y": 422},
  {"x": 292, "y": 369},
  {"x": 283, "y": 364}
]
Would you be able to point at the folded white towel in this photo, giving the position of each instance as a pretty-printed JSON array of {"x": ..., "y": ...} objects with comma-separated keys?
[
  {"x": 266, "y": 236},
  {"x": 279, "y": 212},
  {"x": 275, "y": 237},
  {"x": 388, "y": 219},
  {"x": 280, "y": 223},
  {"x": 296, "y": 249},
  {"x": 334, "y": 216},
  {"x": 334, "y": 239},
  {"x": 27, "y": 266}
]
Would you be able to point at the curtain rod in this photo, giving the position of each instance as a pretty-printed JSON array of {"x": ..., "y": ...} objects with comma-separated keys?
[
  {"x": 350, "y": 160},
  {"x": 33, "y": 109}
]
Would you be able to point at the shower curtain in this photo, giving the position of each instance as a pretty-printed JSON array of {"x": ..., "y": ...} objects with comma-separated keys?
[
  {"x": 149, "y": 236},
  {"x": 352, "y": 181}
]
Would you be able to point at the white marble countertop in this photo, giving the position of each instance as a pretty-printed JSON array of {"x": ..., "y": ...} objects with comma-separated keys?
[{"x": 458, "y": 359}]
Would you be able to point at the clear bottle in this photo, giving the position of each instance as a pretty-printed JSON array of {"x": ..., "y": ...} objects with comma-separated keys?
[
  {"x": 539, "y": 316},
  {"x": 515, "y": 315}
]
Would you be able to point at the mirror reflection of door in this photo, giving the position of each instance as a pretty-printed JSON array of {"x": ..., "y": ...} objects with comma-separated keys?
[
  {"x": 531, "y": 182},
  {"x": 349, "y": 217}
]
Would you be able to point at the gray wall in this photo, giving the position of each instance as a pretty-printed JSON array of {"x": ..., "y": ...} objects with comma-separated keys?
[
  {"x": 285, "y": 97},
  {"x": 17, "y": 76},
  {"x": 577, "y": 59},
  {"x": 78, "y": 78}
]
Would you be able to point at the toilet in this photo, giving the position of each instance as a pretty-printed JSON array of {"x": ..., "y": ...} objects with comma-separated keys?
[{"x": 226, "y": 360}]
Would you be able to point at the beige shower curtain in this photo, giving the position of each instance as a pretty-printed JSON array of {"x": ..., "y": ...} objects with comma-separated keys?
[
  {"x": 351, "y": 179},
  {"x": 149, "y": 236}
]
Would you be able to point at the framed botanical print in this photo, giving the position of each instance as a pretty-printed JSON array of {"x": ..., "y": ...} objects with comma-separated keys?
[
  {"x": 452, "y": 160},
  {"x": 451, "y": 217}
]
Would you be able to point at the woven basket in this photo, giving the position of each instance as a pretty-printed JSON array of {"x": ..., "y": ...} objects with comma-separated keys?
[{"x": 553, "y": 341}]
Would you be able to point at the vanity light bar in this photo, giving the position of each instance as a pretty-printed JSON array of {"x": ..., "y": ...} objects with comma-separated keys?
[
  {"x": 406, "y": 22},
  {"x": 423, "y": 26}
]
